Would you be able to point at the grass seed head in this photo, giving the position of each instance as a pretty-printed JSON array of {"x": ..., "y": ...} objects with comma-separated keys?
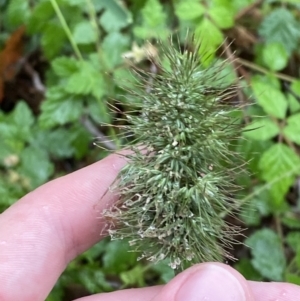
[{"x": 179, "y": 176}]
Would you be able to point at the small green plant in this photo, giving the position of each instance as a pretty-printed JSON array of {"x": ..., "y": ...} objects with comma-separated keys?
[{"x": 179, "y": 175}]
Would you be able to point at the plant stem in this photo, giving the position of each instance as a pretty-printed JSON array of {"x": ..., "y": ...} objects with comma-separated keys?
[
  {"x": 264, "y": 71},
  {"x": 66, "y": 28},
  {"x": 93, "y": 19}
]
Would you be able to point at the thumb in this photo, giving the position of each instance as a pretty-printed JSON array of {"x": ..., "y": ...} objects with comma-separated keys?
[{"x": 207, "y": 282}]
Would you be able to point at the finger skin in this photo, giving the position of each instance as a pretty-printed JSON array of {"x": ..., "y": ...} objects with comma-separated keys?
[
  {"x": 277, "y": 291},
  {"x": 50, "y": 226},
  {"x": 225, "y": 281}
]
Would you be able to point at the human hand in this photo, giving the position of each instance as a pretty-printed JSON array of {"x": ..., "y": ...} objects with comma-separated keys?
[{"x": 46, "y": 229}]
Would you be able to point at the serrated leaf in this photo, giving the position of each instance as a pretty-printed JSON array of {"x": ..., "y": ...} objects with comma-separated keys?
[
  {"x": 275, "y": 56},
  {"x": 113, "y": 45},
  {"x": 189, "y": 9},
  {"x": 272, "y": 100},
  {"x": 84, "y": 33},
  {"x": 115, "y": 17},
  {"x": 35, "y": 166},
  {"x": 59, "y": 108},
  {"x": 57, "y": 142},
  {"x": 279, "y": 162},
  {"x": 16, "y": 128},
  {"x": 64, "y": 66},
  {"x": 154, "y": 21},
  {"x": 88, "y": 80},
  {"x": 261, "y": 129},
  {"x": 268, "y": 256},
  {"x": 292, "y": 129},
  {"x": 280, "y": 26},
  {"x": 22, "y": 115}
]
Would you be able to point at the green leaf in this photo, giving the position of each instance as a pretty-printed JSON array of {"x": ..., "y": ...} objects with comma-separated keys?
[
  {"x": 261, "y": 129},
  {"x": 99, "y": 111},
  {"x": 291, "y": 220},
  {"x": 18, "y": 12},
  {"x": 135, "y": 276},
  {"x": 117, "y": 258},
  {"x": 189, "y": 9},
  {"x": 15, "y": 130},
  {"x": 280, "y": 163},
  {"x": 115, "y": 17},
  {"x": 164, "y": 270},
  {"x": 64, "y": 66},
  {"x": 294, "y": 103},
  {"x": 293, "y": 277},
  {"x": 222, "y": 16},
  {"x": 80, "y": 140},
  {"x": 57, "y": 142},
  {"x": 292, "y": 129},
  {"x": 59, "y": 108},
  {"x": 296, "y": 87},
  {"x": 293, "y": 240},
  {"x": 35, "y": 166},
  {"x": 76, "y": 2},
  {"x": 281, "y": 27},
  {"x": 113, "y": 46},
  {"x": 256, "y": 208},
  {"x": 272, "y": 100},
  {"x": 154, "y": 21},
  {"x": 268, "y": 256},
  {"x": 88, "y": 80},
  {"x": 41, "y": 13},
  {"x": 23, "y": 119},
  {"x": 245, "y": 267},
  {"x": 275, "y": 56},
  {"x": 84, "y": 33},
  {"x": 251, "y": 150},
  {"x": 211, "y": 38},
  {"x": 53, "y": 39},
  {"x": 93, "y": 280}
]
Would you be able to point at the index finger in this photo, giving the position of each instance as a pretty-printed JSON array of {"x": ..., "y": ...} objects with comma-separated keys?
[{"x": 50, "y": 226}]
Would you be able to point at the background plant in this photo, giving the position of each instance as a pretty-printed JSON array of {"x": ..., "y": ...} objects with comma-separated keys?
[{"x": 68, "y": 68}]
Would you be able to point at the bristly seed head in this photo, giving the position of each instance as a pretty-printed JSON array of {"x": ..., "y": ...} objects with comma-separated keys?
[{"x": 179, "y": 176}]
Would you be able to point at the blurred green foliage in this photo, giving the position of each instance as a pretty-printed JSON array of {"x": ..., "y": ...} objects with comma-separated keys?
[{"x": 84, "y": 44}]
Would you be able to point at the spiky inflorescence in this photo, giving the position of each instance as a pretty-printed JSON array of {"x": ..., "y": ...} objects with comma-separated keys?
[{"x": 178, "y": 178}]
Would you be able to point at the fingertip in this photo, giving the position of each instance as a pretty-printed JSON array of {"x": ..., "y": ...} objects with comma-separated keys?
[{"x": 207, "y": 281}]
